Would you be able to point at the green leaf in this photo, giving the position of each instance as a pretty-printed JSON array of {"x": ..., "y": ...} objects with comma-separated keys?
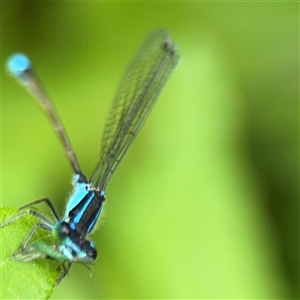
[{"x": 24, "y": 280}]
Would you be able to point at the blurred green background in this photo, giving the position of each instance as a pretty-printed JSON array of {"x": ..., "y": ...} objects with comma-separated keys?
[{"x": 206, "y": 202}]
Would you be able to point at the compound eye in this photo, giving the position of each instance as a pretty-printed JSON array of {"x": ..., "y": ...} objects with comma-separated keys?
[
  {"x": 92, "y": 253},
  {"x": 65, "y": 229},
  {"x": 62, "y": 230}
]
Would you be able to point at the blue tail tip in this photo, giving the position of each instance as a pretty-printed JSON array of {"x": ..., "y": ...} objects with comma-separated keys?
[{"x": 17, "y": 64}]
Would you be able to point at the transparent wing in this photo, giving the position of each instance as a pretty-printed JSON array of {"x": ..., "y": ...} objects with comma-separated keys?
[{"x": 143, "y": 80}]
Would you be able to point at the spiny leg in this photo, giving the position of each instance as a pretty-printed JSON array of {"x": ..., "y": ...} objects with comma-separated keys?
[
  {"x": 49, "y": 205},
  {"x": 32, "y": 231},
  {"x": 28, "y": 212}
]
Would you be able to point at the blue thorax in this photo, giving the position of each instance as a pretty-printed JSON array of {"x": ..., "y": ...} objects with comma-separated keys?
[{"x": 84, "y": 206}]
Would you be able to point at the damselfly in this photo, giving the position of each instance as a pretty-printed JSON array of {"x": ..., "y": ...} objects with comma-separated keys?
[{"x": 146, "y": 75}]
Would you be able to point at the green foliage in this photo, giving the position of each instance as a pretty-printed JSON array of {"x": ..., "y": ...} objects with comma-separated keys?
[{"x": 23, "y": 280}]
